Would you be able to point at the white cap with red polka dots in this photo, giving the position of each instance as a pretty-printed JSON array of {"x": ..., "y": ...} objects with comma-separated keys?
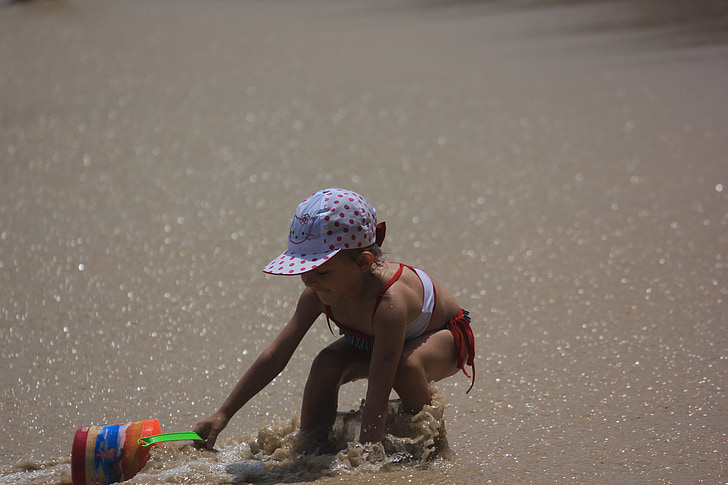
[{"x": 325, "y": 223}]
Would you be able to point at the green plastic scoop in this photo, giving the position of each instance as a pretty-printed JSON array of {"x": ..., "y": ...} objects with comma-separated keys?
[{"x": 150, "y": 440}]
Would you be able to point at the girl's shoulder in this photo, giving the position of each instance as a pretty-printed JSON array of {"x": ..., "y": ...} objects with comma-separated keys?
[
  {"x": 409, "y": 290},
  {"x": 402, "y": 288}
]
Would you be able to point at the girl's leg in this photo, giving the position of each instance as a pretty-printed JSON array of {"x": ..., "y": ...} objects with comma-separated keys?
[
  {"x": 335, "y": 365},
  {"x": 430, "y": 357}
]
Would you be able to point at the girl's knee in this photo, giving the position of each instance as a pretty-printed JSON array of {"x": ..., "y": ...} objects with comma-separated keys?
[
  {"x": 338, "y": 365},
  {"x": 327, "y": 362},
  {"x": 409, "y": 372}
]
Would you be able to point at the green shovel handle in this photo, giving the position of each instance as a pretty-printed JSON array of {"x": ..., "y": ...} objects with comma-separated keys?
[{"x": 150, "y": 440}]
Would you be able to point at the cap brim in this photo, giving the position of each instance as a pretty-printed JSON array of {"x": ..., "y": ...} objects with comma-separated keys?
[{"x": 290, "y": 263}]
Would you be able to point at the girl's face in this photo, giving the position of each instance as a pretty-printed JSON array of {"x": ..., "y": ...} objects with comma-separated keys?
[{"x": 333, "y": 279}]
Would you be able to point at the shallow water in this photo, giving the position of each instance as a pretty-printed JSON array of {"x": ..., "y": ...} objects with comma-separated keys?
[{"x": 560, "y": 166}]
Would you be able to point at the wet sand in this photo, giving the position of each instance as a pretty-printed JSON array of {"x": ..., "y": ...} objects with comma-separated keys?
[{"x": 561, "y": 166}]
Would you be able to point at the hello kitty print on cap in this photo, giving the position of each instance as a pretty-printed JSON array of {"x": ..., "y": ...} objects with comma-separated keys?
[{"x": 325, "y": 223}]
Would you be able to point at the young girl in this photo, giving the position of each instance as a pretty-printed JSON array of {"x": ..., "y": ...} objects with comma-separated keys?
[{"x": 400, "y": 328}]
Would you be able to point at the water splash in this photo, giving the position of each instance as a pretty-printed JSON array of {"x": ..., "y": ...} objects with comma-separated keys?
[{"x": 275, "y": 454}]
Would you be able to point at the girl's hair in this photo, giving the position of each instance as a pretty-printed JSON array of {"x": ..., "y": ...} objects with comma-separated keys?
[{"x": 376, "y": 251}]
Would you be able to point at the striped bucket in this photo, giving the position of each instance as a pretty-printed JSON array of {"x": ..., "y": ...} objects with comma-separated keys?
[{"x": 111, "y": 453}]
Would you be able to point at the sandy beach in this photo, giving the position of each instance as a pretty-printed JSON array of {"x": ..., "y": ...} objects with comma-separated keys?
[{"x": 561, "y": 166}]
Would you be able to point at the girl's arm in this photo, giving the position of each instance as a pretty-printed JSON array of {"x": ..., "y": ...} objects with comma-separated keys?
[
  {"x": 389, "y": 328},
  {"x": 266, "y": 367}
]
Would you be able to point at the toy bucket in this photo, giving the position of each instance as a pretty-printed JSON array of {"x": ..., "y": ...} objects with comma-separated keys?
[{"x": 116, "y": 452}]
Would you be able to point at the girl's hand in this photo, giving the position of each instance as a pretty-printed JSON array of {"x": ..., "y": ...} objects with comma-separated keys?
[{"x": 211, "y": 427}]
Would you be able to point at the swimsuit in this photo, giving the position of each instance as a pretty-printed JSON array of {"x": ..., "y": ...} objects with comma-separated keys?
[{"x": 459, "y": 326}]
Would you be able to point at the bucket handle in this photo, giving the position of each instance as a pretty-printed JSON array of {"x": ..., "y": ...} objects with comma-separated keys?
[{"x": 150, "y": 440}]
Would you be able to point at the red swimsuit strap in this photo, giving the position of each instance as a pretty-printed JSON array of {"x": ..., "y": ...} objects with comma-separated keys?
[{"x": 387, "y": 285}]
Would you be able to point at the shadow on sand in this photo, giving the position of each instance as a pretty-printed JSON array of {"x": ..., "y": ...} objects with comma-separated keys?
[{"x": 658, "y": 23}]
